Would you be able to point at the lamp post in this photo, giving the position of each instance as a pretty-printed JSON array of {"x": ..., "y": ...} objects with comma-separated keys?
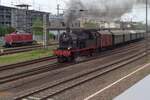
[
  {"x": 45, "y": 31},
  {"x": 146, "y": 29},
  {"x": 146, "y": 17}
]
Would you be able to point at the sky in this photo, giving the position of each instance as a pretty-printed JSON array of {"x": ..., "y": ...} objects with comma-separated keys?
[
  {"x": 137, "y": 14},
  {"x": 43, "y": 5}
]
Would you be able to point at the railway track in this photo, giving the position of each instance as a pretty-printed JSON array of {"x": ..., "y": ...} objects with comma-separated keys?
[
  {"x": 21, "y": 64},
  {"x": 13, "y": 75},
  {"x": 22, "y": 49},
  {"x": 49, "y": 92},
  {"x": 77, "y": 79},
  {"x": 28, "y": 73}
]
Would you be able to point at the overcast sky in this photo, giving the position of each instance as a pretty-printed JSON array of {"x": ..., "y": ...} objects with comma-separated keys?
[
  {"x": 44, "y": 5},
  {"x": 138, "y": 13}
]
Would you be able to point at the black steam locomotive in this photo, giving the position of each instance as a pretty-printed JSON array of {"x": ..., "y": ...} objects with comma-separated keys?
[{"x": 86, "y": 42}]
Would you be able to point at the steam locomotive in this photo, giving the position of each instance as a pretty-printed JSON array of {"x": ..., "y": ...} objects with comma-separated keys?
[{"x": 86, "y": 42}]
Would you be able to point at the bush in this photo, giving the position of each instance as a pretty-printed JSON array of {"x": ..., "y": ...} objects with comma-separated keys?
[{"x": 51, "y": 35}]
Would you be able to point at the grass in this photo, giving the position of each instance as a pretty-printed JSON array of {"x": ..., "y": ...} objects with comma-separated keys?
[
  {"x": 1, "y": 47},
  {"x": 25, "y": 56}
]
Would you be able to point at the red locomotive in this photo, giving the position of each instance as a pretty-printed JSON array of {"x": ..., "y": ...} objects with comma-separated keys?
[
  {"x": 86, "y": 42},
  {"x": 18, "y": 38}
]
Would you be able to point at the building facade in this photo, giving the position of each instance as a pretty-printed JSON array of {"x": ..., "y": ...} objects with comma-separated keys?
[
  {"x": 5, "y": 16},
  {"x": 56, "y": 21},
  {"x": 21, "y": 19}
]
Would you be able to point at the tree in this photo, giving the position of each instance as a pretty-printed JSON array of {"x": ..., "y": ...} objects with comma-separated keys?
[
  {"x": 10, "y": 29},
  {"x": 6, "y": 30},
  {"x": 37, "y": 27},
  {"x": 2, "y": 31}
]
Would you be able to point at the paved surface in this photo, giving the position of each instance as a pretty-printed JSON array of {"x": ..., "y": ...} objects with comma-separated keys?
[{"x": 140, "y": 91}]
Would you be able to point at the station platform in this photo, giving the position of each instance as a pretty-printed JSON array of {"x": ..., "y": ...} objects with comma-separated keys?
[{"x": 140, "y": 91}]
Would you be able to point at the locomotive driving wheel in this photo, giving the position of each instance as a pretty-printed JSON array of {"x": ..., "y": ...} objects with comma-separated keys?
[{"x": 61, "y": 59}]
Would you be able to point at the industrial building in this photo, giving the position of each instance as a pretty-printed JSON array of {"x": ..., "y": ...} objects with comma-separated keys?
[
  {"x": 5, "y": 16},
  {"x": 20, "y": 17}
]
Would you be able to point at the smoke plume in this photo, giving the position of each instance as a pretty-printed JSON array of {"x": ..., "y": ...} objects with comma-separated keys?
[{"x": 102, "y": 9}]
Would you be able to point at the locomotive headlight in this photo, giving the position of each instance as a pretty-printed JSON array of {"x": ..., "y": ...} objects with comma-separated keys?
[{"x": 69, "y": 48}]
